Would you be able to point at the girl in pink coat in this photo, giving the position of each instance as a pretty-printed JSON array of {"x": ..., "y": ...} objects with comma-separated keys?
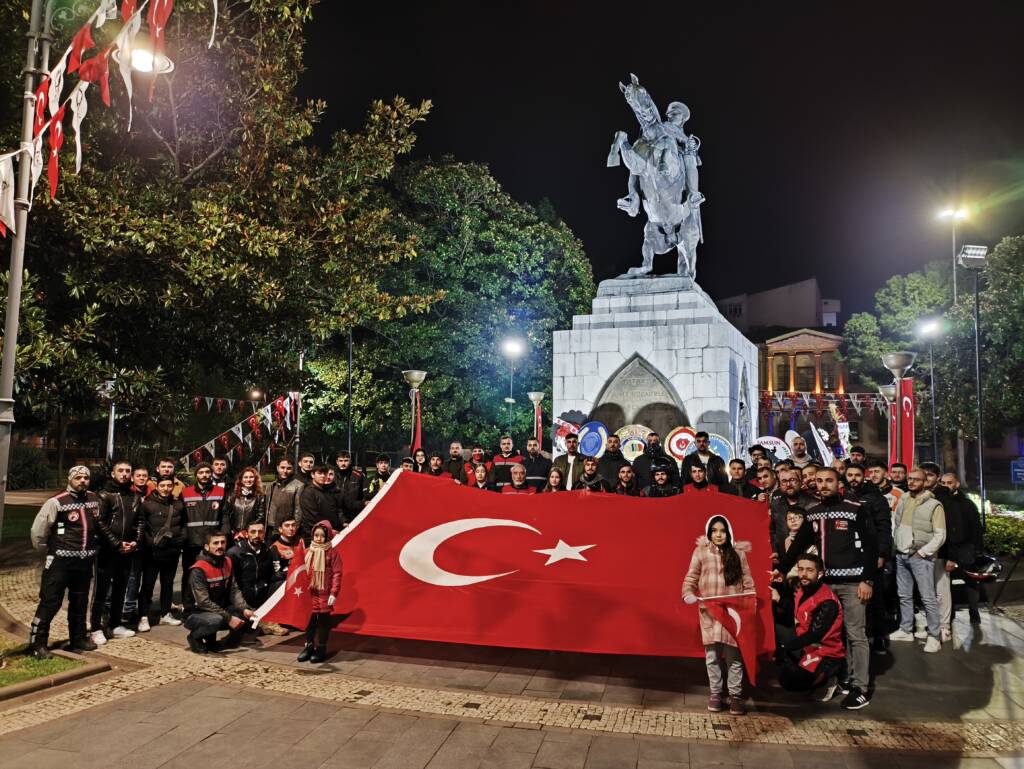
[
  {"x": 718, "y": 567},
  {"x": 323, "y": 565}
]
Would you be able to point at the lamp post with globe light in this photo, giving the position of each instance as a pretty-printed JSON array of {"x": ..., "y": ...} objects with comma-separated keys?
[
  {"x": 974, "y": 258},
  {"x": 42, "y": 18},
  {"x": 512, "y": 348}
]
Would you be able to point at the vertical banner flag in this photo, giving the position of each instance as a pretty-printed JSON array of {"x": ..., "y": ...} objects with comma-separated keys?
[
  {"x": 908, "y": 408},
  {"x": 417, "y": 431},
  {"x": 432, "y": 560},
  {"x": 893, "y": 451},
  {"x": 538, "y": 423},
  {"x": 6, "y": 195}
]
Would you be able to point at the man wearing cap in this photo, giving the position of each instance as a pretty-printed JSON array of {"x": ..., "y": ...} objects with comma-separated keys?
[
  {"x": 70, "y": 529},
  {"x": 662, "y": 485},
  {"x": 858, "y": 456},
  {"x": 653, "y": 455},
  {"x": 757, "y": 451}
]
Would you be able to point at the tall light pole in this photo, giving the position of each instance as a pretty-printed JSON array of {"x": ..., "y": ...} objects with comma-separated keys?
[
  {"x": 899, "y": 363},
  {"x": 512, "y": 348},
  {"x": 953, "y": 215},
  {"x": 973, "y": 259},
  {"x": 929, "y": 329}
]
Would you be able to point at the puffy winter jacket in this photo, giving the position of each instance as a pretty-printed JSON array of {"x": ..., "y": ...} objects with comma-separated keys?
[{"x": 156, "y": 513}]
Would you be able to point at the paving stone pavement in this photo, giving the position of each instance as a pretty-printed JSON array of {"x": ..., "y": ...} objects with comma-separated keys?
[{"x": 617, "y": 730}]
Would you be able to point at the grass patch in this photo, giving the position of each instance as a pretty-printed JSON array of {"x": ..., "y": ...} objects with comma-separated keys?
[
  {"x": 18, "y": 522},
  {"x": 21, "y": 667}
]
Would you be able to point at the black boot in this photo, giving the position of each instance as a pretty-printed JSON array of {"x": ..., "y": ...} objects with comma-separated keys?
[
  {"x": 41, "y": 652},
  {"x": 83, "y": 644},
  {"x": 196, "y": 645},
  {"x": 306, "y": 653},
  {"x": 319, "y": 654}
]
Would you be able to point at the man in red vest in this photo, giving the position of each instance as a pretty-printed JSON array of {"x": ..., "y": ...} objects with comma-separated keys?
[
  {"x": 219, "y": 604},
  {"x": 810, "y": 653}
]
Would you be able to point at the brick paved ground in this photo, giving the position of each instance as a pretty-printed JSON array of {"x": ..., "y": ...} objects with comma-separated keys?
[{"x": 460, "y": 707}]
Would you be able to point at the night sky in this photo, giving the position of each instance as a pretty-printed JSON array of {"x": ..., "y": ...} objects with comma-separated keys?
[{"x": 831, "y": 134}]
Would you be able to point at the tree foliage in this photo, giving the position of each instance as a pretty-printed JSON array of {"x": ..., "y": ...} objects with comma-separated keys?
[
  {"x": 504, "y": 271},
  {"x": 213, "y": 241}
]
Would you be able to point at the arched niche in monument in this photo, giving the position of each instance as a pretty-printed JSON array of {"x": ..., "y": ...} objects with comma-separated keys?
[{"x": 637, "y": 393}]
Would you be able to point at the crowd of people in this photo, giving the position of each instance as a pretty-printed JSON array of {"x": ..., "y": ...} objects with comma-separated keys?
[{"x": 853, "y": 543}]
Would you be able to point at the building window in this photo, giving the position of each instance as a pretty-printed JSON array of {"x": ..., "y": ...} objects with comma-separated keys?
[
  {"x": 805, "y": 373},
  {"x": 829, "y": 380},
  {"x": 781, "y": 372}
]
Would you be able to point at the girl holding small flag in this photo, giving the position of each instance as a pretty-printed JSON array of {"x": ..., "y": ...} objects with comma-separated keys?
[
  {"x": 323, "y": 566},
  {"x": 719, "y": 569}
]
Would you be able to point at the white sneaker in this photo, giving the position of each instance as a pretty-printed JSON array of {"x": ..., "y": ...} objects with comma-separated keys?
[
  {"x": 122, "y": 632},
  {"x": 945, "y": 635},
  {"x": 932, "y": 645},
  {"x": 144, "y": 625},
  {"x": 170, "y": 619},
  {"x": 920, "y": 634},
  {"x": 97, "y": 637},
  {"x": 901, "y": 635}
]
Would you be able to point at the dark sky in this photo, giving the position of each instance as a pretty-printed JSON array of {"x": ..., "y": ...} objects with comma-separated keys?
[{"x": 831, "y": 132}]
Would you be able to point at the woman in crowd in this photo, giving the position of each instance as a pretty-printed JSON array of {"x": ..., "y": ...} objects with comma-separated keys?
[
  {"x": 718, "y": 568},
  {"x": 246, "y": 502},
  {"x": 556, "y": 480}
]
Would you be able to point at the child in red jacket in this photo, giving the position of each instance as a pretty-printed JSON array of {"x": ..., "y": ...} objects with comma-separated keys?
[{"x": 323, "y": 565}]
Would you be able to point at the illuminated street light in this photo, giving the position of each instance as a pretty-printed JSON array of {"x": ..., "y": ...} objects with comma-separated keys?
[
  {"x": 512, "y": 348},
  {"x": 974, "y": 259},
  {"x": 143, "y": 60},
  {"x": 953, "y": 215}
]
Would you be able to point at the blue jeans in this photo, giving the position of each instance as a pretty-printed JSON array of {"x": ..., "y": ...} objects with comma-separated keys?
[{"x": 911, "y": 570}]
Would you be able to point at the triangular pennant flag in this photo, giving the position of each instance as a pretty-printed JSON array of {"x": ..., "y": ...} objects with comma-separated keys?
[
  {"x": 6, "y": 195},
  {"x": 42, "y": 96},
  {"x": 81, "y": 43},
  {"x": 267, "y": 457},
  {"x": 184, "y": 461},
  {"x": 56, "y": 85},
  {"x": 209, "y": 403},
  {"x": 231, "y": 404},
  {"x": 96, "y": 70},
  {"x": 79, "y": 108},
  {"x": 128, "y": 9},
  {"x": 211, "y": 448},
  {"x": 106, "y": 12},
  {"x": 159, "y": 13},
  {"x": 124, "y": 42},
  {"x": 56, "y": 141},
  {"x": 248, "y": 441},
  {"x": 268, "y": 414},
  {"x": 37, "y": 163},
  {"x": 806, "y": 398},
  {"x": 237, "y": 430}
]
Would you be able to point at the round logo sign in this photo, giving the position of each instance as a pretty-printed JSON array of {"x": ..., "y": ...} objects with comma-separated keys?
[
  {"x": 679, "y": 442},
  {"x": 775, "y": 446},
  {"x": 719, "y": 445},
  {"x": 73, "y": 516},
  {"x": 634, "y": 440},
  {"x": 593, "y": 439}
]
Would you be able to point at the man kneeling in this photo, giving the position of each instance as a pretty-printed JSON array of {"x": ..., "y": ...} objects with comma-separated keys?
[
  {"x": 219, "y": 603},
  {"x": 811, "y": 652}
]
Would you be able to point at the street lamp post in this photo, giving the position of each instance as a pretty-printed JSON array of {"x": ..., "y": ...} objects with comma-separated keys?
[
  {"x": 512, "y": 348},
  {"x": 899, "y": 363},
  {"x": 954, "y": 215},
  {"x": 973, "y": 258},
  {"x": 929, "y": 329},
  {"x": 414, "y": 378}
]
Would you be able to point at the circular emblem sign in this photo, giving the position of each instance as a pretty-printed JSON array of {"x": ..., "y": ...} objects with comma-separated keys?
[
  {"x": 679, "y": 442},
  {"x": 633, "y": 438},
  {"x": 775, "y": 446},
  {"x": 719, "y": 445},
  {"x": 73, "y": 516},
  {"x": 593, "y": 439}
]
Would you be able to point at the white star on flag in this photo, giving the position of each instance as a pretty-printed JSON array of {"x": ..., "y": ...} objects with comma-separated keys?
[
  {"x": 297, "y": 591},
  {"x": 563, "y": 551}
]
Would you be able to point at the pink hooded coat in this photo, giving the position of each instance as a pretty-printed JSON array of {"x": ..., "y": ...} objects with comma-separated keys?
[{"x": 332, "y": 577}]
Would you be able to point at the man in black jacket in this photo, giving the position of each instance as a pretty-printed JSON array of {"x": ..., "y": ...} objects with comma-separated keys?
[
  {"x": 612, "y": 459},
  {"x": 738, "y": 485},
  {"x": 68, "y": 526},
  {"x": 964, "y": 540},
  {"x": 316, "y": 504},
  {"x": 349, "y": 481},
  {"x": 218, "y": 602},
  {"x": 536, "y": 464},
  {"x": 591, "y": 480},
  {"x": 252, "y": 563},
  {"x": 714, "y": 465},
  {"x": 626, "y": 485},
  {"x": 662, "y": 486},
  {"x": 654, "y": 454},
  {"x": 120, "y": 508},
  {"x": 790, "y": 495},
  {"x": 844, "y": 534},
  {"x": 455, "y": 465}
]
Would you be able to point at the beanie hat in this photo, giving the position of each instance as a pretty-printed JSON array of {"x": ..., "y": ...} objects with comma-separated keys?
[{"x": 79, "y": 470}]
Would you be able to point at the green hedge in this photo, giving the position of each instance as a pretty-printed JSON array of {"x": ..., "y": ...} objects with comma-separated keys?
[
  {"x": 27, "y": 469},
  {"x": 1004, "y": 535}
]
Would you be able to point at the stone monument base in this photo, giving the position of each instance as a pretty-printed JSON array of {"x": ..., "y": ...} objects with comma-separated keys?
[{"x": 656, "y": 351}]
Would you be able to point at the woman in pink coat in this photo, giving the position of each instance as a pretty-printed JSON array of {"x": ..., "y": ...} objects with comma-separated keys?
[
  {"x": 717, "y": 568},
  {"x": 323, "y": 565}
]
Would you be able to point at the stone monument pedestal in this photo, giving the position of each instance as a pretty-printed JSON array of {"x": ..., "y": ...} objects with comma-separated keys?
[{"x": 656, "y": 351}]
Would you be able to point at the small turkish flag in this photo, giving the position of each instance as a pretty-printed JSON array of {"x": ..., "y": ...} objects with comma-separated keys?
[
  {"x": 294, "y": 605},
  {"x": 42, "y": 96},
  {"x": 96, "y": 70},
  {"x": 56, "y": 141},
  {"x": 738, "y": 615},
  {"x": 81, "y": 43}
]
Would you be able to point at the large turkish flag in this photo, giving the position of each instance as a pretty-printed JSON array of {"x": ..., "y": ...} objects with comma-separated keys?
[{"x": 575, "y": 571}]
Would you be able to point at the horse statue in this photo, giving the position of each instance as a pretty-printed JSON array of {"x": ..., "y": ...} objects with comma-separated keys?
[{"x": 662, "y": 166}]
